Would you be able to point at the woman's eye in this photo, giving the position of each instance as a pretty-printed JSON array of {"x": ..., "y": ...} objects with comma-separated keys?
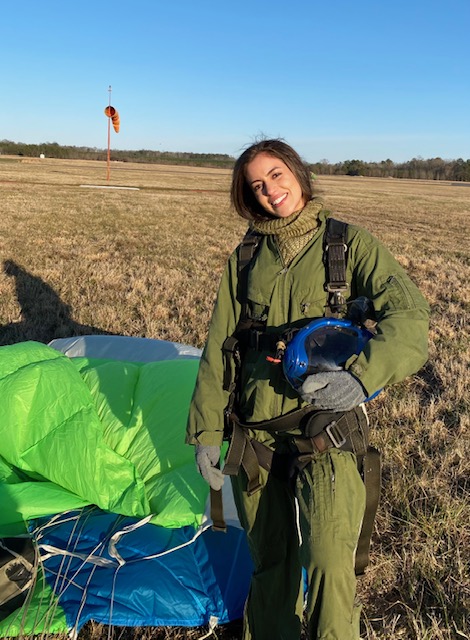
[
  {"x": 276, "y": 175},
  {"x": 256, "y": 187}
]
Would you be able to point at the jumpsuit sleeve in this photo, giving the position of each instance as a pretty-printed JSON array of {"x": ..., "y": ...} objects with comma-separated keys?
[
  {"x": 400, "y": 347},
  {"x": 206, "y": 414}
]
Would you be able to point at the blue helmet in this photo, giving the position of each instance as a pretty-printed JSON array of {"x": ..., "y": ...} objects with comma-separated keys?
[{"x": 324, "y": 344}]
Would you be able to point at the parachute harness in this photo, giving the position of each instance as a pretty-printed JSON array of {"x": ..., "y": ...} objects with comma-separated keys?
[
  {"x": 321, "y": 429},
  {"x": 334, "y": 257}
]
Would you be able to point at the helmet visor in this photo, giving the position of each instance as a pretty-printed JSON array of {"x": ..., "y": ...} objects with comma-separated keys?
[{"x": 328, "y": 348}]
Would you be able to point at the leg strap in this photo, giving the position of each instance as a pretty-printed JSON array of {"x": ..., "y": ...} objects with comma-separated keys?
[
  {"x": 372, "y": 479},
  {"x": 217, "y": 511},
  {"x": 248, "y": 454}
]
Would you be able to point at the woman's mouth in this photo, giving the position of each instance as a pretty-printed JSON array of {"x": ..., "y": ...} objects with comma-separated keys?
[{"x": 278, "y": 201}]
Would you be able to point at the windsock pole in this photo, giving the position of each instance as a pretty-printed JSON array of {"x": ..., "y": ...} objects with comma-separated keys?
[{"x": 109, "y": 139}]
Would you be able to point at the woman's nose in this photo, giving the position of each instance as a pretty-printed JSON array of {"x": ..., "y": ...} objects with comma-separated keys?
[{"x": 268, "y": 188}]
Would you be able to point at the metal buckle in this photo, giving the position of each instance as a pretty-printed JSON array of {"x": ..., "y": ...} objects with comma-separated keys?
[
  {"x": 337, "y": 244},
  {"x": 251, "y": 490},
  {"x": 334, "y": 288},
  {"x": 336, "y": 438}
]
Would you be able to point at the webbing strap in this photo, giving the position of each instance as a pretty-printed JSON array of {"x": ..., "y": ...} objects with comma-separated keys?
[
  {"x": 247, "y": 248},
  {"x": 335, "y": 245},
  {"x": 217, "y": 511},
  {"x": 230, "y": 351},
  {"x": 372, "y": 480},
  {"x": 335, "y": 254},
  {"x": 245, "y": 453},
  {"x": 286, "y": 422},
  {"x": 310, "y": 446},
  {"x": 250, "y": 454},
  {"x": 242, "y": 453},
  {"x": 246, "y": 251}
]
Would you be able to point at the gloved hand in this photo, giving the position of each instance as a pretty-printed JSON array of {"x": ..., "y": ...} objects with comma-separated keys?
[
  {"x": 207, "y": 456},
  {"x": 335, "y": 390}
]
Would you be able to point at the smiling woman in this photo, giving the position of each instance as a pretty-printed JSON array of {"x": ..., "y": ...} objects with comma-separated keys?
[
  {"x": 264, "y": 175},
  {"x": 274, "y": 185},
  {"x": 297, "y": 456}
]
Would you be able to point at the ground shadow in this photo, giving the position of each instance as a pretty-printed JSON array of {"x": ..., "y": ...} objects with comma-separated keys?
[
  {"x": 433, "y": 381},
  {"x": 44, "y": 316}
]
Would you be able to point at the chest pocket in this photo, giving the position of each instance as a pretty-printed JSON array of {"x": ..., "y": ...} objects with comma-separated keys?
[
  {"x": 307, "y": 292},
  {"x": 397, "y": 292},
  {"x": 311, "y": 304}
]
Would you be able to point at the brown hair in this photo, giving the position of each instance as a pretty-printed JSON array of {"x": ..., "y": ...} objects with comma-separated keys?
[{"x": 241, "y": 194}]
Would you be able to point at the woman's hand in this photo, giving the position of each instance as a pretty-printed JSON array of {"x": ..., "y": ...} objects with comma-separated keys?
[
  {"x": 334, "y": 390},
  {"x": 207, "y": 457}
]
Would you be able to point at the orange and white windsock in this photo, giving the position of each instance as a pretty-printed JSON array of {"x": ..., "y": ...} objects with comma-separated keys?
[{"x": 114, "y": 115}]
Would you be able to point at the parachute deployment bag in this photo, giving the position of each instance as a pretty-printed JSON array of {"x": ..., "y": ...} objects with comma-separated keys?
[{"x": 17, "y": 573}]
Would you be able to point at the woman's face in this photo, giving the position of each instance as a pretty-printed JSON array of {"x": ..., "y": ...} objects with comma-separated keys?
[{"x": 274, "y": 185}]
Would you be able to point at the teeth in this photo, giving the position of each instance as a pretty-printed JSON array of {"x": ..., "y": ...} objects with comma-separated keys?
[{"x": 278, "y": 200}]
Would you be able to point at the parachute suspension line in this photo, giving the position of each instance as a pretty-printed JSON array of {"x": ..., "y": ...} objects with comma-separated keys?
[
  {"x": 111, "y": 603},
  {"x": 61, "y": 574},
  {"x": 213, "y": 622},
  {"x": 37, "y": 565},
  {"x": 83, "y": 598},
  {"x": 88, "y": 558},
  {"x": 53, "y": 521},
  {"x": 154, "y": 556},
  {"x": 112, "y": 550},
  {"x": 51, "y": 608},
  {"x": 101, "y": 544},
  {"x": 61, "y": 580},
  {"x": 60, "y": 583}
]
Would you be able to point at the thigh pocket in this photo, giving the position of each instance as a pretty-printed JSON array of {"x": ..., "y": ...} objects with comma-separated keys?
[
  {"x": 331, "y": 496},
  {"x": 349, "y": 495},
  {"x": 315, "y": 494}
]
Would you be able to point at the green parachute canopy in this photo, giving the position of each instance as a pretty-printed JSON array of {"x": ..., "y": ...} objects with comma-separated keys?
[{"x": 75, "y": 432}]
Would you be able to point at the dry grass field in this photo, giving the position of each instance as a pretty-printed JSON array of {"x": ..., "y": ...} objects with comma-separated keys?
[{"x": 146, "y": 262}]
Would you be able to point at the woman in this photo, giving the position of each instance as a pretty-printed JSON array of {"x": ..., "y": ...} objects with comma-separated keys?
[{"x": 308, "y": 508}]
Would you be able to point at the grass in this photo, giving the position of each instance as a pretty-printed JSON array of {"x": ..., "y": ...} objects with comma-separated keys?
[{"x": 77, "y": 260}]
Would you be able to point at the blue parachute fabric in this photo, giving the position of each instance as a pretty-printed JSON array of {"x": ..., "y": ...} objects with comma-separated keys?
[{"x": 105, "y": 567}]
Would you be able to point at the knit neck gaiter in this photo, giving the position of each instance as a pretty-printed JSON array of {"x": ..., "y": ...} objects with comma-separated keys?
[{"x": 291, "y": 233}]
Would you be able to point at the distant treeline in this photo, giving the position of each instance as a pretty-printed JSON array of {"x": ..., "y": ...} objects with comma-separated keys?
[
  {"x": 54, "y": 150},
  {"x": 417, "y": 168}
]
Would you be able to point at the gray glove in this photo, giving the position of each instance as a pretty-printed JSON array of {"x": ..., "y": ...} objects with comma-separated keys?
[
  {"x": 207, "y": 456},
  {"x": 335, "y": 390}
]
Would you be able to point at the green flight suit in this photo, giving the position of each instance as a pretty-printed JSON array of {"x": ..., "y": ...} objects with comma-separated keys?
[
  {"x": 330, "y": 511},
  {"x": 328, "y": 515}
]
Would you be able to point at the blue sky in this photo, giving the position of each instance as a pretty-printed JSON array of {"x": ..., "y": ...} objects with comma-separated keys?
[{"x": 337, "y": 79}]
